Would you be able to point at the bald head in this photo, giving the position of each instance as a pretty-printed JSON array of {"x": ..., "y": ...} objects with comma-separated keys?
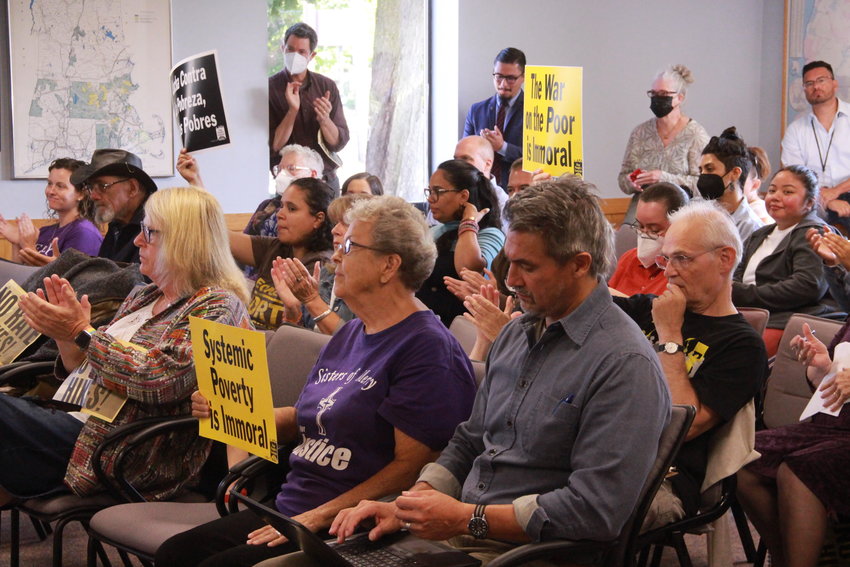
[{"x": 476, "y": 151}]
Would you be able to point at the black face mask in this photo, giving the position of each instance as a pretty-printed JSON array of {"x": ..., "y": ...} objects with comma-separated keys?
[
  {"x": 661, "y": 106},
  {"x": 710, "y": 186}
]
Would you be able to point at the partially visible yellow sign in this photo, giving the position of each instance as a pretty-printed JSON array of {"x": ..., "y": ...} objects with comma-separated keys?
[
  {"x": 233, "y": 375},
  {"x": 15, "y": 333},
  {"x": 552, "y": 125}
]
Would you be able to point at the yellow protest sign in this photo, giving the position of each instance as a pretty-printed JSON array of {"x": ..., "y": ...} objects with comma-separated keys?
[
  {"x": 233, "y": 375},
  {"x": 552, "y": 123},
  {"x": 15, "y": 333}
]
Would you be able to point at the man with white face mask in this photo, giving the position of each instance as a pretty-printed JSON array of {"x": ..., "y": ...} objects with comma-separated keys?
[
  {"x": 636, "y": 270},
  {"x": 305, "y": 107},
  {"x": 295, "y": 162}
]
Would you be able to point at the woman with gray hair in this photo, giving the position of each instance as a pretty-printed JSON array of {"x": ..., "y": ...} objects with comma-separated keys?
[
  {"x": 382, "y": 400},
  {"x": 667, "y": 147}
]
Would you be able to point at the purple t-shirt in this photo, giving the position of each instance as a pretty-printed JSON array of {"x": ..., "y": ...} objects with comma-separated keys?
[
  {"x": 413, "y": 376},
  {"x": 79, "y": 234}
]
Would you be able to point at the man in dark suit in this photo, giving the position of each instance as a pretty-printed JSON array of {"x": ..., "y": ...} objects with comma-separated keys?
[{"x": 499, "y": 118}]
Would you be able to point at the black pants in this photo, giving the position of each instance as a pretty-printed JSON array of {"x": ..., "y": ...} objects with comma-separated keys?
[{"x": 220, "y": 543}]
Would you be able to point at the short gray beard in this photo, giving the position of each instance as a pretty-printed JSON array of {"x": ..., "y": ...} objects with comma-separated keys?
[{"x": 104, "y": 214}]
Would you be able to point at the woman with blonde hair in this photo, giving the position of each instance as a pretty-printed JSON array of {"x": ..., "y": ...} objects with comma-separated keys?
[{"x": 144, "y": 356}]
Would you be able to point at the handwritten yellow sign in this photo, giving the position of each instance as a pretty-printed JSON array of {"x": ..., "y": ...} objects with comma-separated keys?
[
  {"x": 233, "y": 375},
  {"x": 552, "y": 125},
  {"x": 15, "y": 334}
]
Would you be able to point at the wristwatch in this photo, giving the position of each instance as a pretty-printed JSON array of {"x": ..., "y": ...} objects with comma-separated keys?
[
  {"x": 83, "y": 338},
  {"x": 669, "y": 347},
  {"x": 478, "y": 526}
]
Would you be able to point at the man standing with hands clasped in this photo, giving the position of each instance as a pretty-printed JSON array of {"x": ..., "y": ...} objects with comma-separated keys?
[
  {"x": 499, "y": 118},
  {"x": 305, "y": 107}
]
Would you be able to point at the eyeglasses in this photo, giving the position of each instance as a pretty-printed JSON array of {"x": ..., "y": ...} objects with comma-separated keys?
[
  {"x": 292, "y": 169},
  {"x": 147, "y": 231},
  {"x": 346, "y": 247},
  {"x": 651, "y": 94},
  {"x": 680, "y": 261},
  {"x": 102, "y": 187},
  {"x": 434, "y": 194},
  {"x": 643, "y": 232},
  {"x": 510, "y": 79},
  {"x": 820, "y": 81}
]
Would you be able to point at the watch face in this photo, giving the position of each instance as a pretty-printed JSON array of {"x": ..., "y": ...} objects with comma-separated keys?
[
  {"x": 478, "y": 527},
  {"x": 82, "y": 340},
  {"x": 671, "y": 348}
]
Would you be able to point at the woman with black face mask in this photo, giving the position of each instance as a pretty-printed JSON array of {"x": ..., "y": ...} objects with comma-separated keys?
[
  {"x": 723, "y": 169},
  {"x": 667, "y": 147}
]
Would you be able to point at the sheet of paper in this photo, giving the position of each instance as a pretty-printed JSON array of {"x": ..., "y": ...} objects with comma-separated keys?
[
  {"x": 840, "y": 361},
  {"x": 74, "y": 389}
]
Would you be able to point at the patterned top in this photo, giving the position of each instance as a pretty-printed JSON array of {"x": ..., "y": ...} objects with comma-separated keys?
[
  {"x": 678, "y": 162},
  {"x": 158, "y": 382}
]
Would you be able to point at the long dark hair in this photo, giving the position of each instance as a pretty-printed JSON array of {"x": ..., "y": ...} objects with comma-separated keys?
[
  {"x": 318, "y": 196},
  {"x": 85, "y": 206},
  {"x": 464, "y": 176}
]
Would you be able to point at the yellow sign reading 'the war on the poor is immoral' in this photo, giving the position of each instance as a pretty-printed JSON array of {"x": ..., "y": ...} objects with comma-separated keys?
[
  {"x": 552, "y": 124},
  {"x": 233, "y": 375}
]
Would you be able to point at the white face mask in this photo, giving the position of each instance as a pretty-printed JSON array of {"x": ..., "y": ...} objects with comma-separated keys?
[
  {"x": 648, "y": 249},
  {"x": 282, "y": 181},
  {"x": 295, "y": 62}
]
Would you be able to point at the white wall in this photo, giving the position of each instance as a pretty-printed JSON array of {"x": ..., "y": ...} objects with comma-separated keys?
[
  {"x": 236, "y": 174},
  {"x": 734, "y": 49}
]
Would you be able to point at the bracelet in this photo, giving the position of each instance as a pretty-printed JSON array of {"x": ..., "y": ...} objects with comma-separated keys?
[{"x": 318, "y": 318}]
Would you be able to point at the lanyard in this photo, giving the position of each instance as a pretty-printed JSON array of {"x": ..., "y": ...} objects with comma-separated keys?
[{"x": 821, "y": 157}]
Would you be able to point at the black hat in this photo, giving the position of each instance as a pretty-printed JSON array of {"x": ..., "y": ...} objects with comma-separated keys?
[{"x": 113, "y": 162}]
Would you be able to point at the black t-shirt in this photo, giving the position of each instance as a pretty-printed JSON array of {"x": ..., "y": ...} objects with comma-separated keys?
[{"x": 727, "y": 364}]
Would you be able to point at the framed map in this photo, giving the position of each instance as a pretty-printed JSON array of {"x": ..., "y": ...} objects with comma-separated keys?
[
  {"x": 89, "y": 74},
  {"x": 814, "y": 30}
]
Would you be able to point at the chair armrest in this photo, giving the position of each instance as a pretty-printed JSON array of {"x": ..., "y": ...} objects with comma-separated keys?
[
  {"x": 561, "y": 548},
  {"x": 23, "y": 369},
  {"x": 247, "y": 473},
  {"x": 233, "y": 475},
  {"x": 133, "y": 434},
  {"x": 250, "y": 474}
]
